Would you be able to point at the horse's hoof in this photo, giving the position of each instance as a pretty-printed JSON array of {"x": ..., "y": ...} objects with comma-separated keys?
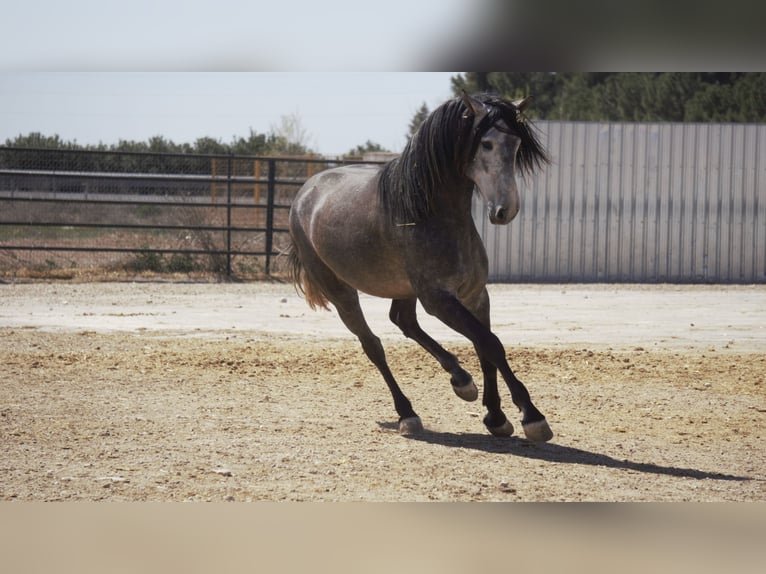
[
  {"x": 538, "y": 431},
  {"x": 504, "y": 430},
  {"x": 411, "y": 425},
  {"x": 467, "y": 391}
]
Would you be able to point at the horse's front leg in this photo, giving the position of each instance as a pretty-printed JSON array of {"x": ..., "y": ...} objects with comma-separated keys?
[
  {"x": 495, "y": 420},
  {"x": 403, "y": 314},
  {"x": 448, "y": 309}
]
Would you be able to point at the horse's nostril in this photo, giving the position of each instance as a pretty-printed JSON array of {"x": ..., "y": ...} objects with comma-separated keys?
[{"x": 500, "y": 213}]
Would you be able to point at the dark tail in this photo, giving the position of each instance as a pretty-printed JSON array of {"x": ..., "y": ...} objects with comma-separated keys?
[{"x": 303, "y": 282}]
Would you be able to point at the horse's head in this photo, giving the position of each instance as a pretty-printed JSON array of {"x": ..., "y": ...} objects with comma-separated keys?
[
  {"x": 482, "y": 140},
  {"x": 502, "y": 141}
]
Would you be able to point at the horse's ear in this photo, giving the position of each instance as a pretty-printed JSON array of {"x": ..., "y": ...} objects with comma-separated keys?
[
  {"x": 522, "y": 104},
  {"x": 478, "y": 109}
]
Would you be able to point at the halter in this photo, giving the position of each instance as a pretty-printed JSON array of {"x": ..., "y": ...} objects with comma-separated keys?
[{"x": 491, "y": 119}]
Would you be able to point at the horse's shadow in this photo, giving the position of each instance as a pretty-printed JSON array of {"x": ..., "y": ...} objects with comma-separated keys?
[{"x": 551, "y": 452}]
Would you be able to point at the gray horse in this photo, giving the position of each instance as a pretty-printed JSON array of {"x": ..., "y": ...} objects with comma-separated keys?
[{"x": 404, "y": 231}]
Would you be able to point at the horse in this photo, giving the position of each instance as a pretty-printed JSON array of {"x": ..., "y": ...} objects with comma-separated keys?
[{"x": 404, "y": 231}]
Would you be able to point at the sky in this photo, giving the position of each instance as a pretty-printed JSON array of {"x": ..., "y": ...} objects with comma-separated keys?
[
  {"x": 104, "y": 70},
  {"x": 337, "y": 110}
]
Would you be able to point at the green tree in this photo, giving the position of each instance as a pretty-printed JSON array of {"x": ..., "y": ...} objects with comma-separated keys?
[
  {"x": 208, "y": 145},
  {"x": 630, "y": 96},
  {"x": 544, "y": 87},
  {"x": 417, "y": 119},
  {"x": 750, "y": 95},
  {"x": 575, "y": 99},
  {"x": 158, "y": 144},
  {"x": 741, "y": 101},
  {"x": 253, "y": 144},
  {"x": 36, "y": 139}
]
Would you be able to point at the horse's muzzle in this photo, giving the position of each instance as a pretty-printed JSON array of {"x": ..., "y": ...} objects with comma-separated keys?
[{"x": 501, "y": 214}]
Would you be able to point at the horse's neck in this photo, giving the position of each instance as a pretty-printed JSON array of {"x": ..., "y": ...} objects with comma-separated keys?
[{"x": 453, "y": 201}]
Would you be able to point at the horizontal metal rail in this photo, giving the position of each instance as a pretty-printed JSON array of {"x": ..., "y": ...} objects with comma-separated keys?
[
  {"x": 188, "y": 156},
  {"x": 134, "y": 250},
  {"x": 163, "y": 226},
  {"x": 144, "y": 202},
  {"x": 164, "y": 177}
]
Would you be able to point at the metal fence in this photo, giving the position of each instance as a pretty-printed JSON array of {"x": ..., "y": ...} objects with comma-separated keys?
[
  {"x": 66, "y": 211},
  {"x": 625, "y": 202}
]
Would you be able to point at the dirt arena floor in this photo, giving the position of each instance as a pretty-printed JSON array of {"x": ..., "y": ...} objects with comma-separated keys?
[{"x": 237, "y": 392}]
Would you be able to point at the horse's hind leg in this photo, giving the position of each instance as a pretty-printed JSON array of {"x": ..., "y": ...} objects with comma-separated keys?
[
  {"x": 404, "y": 315},
  {"x": 347, "y": 304},
  {"x": 325, "y": 285}
]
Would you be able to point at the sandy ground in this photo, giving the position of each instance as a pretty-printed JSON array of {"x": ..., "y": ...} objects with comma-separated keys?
[{"x": 174, "y": 391}]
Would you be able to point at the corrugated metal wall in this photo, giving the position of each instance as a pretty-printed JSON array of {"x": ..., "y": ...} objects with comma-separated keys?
[{"x": 629, "y": 202}]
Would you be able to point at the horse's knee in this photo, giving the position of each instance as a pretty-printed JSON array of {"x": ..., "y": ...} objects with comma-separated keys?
[
  {"x": 407, "y": 329},
  {"x": 374, "y": 350},
  {"x": 406, "y": 323},
  {"x": 395, "y": 315}
]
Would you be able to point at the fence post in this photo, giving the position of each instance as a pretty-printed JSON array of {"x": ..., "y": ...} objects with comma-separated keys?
[
  {"x": 271, "y": 193},
  {"x": 214, "y": 182},
  {"x": 257, "y": 185},
  {"x": 228, "y": 215}
]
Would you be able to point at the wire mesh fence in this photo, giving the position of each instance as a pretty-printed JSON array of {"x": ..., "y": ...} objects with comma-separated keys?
[{"x": 72, "y": 212}]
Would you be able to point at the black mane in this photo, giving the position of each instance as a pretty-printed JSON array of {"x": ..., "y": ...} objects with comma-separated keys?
[{"x": 436, "y": 156}]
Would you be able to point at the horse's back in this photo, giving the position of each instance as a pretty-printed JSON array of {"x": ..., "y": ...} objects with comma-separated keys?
[
  {"x": 343, "y": 186},
  {"x": 337, "y": 216}
]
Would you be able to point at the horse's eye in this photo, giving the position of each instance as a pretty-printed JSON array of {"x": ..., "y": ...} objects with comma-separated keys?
[{"x": 487, "y": 145}]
